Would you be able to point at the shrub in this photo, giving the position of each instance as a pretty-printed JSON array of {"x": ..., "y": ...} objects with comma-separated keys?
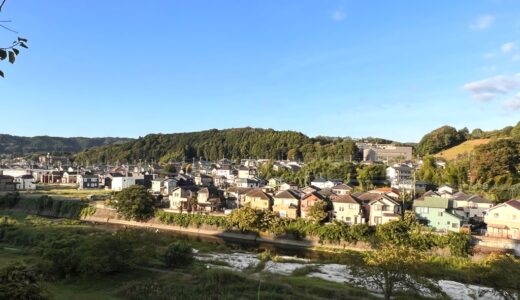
[
  {"x": 178, "y": 254},
  {"x": 19, "y": 282}
]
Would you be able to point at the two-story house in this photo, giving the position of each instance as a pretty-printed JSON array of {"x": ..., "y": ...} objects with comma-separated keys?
[
  {"x": 399, "y": 173},
  {"x": 383, "y": 209},
  {"x": 258, "y": 199},
  {"x": 472, "y": 206},
  {"x": 88, "y": 182},
  {"x": 180, "y": 196},
  {"x": 503, "y": 220},
  {"x": 246, "y": 172},
  {"x": 120, "y": 183},
  {"x": 208, "y": 199},
  {"x": 437, "y": 212},
  {"x": 25, "y": 182},
  {"x": 347, "y": 208},
  {"x": 308, "y": 201},
  {"x": 287, "y": 204}
]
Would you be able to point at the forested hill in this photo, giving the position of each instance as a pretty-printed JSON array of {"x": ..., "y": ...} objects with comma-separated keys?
[
  {"x": 20, "y": 145},
  {"x": 230, "y": 143}
]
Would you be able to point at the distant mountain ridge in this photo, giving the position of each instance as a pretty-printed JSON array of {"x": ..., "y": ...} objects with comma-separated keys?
[{"x": 20, "y": 145}]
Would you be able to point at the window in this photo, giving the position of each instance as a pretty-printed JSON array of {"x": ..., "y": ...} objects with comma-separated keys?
[
  {"x": 341, "y": 208},
  {"x": 351, "y": 206},
  {"x": 377, "y": 220},
  {"x": 454, "y": 225},
  {"x": 377, "y": 207},
  {"x": 440, "y": 214},
  {"x": 347, "y": 219}
]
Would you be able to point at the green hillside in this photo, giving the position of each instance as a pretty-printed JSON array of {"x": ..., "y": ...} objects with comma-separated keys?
[
  {"x": 230, "y": 143},
  {"x": 20, "y": 145}
]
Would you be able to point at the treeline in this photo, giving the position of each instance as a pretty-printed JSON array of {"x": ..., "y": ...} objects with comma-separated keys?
[
  {"x": 492, "y": 168},
  {"x": 366, "y": 176},
  {"x": 20, "y": 145},
  {"x": 230, "y": 143}
]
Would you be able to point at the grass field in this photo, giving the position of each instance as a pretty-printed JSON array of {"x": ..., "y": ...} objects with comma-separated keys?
[
  {"x": 194, "y": 282},
  {"x": 62, "y": 191},
  {"x": 462, "y": 149}
]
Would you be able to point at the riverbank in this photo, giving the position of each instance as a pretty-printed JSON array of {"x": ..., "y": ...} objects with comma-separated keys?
[{"x": 104, "y": 215}]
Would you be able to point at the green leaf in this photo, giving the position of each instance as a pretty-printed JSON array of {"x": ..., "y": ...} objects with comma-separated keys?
[
  {"x": 20, "y": 39},
  {"x": 1, "y": 74},
  {"x": 22, "y": 44},
  {"x": 16, "y": 51},
  {"x": 12, "y": 57},
  {"x": 3, "y": 54}
]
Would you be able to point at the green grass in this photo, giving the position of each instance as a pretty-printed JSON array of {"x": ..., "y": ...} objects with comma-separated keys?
[
  {"x": 99, "y": 288},
  {"x": 9, "y": 255},
  {"x": 65, "y": 192}
]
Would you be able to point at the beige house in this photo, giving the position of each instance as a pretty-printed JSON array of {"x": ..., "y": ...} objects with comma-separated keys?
[
  {"x": 257, "y": 199},
  {"x": 503, "y": 220},
  {"x": 287, "y": 204},
  {"x": 348, "y": 209},
  {"x": 383, "y": 209},
  {"x": 179, "y": 197}
]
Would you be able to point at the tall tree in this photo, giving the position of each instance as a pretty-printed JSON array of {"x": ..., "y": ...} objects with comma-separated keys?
[{"x": 135, "y": 203}]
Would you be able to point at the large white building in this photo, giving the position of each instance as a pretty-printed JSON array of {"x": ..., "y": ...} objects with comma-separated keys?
[
  {"x": 120, "y": 183},
  {"x": 384, "y": 152}
]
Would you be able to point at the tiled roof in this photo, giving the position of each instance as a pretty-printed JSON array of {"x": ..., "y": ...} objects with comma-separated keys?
[
  {"x": 288, "y": 194},
  {"x": 258, "y": 193},
  {"x": 345, "y": 199},
  {"x": 514, "y": 203}
]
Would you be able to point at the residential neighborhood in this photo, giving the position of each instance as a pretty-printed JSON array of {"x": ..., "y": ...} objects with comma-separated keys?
[{"x": 220, "y": 187}]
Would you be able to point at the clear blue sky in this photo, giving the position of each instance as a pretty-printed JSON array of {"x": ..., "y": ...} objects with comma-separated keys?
[{"x": 393, "y": 69}]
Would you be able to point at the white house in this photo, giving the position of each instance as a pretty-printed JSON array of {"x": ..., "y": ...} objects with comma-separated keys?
[
  {"x": 248, "y": 183},
  {"x": 288, "y": 186},
  {"x": 399, "y": 173},
  {"x": 120, "y": 183},
  {"x": 446, "y": 191},
  {"x": 25, "y": 182},
  {"x": 473, "y": 206},
  {"x": 321, "y": 183}
]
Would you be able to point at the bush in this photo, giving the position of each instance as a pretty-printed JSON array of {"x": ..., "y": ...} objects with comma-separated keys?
[
  {"x": 178, "y": 254},
  {"x": 9, "y": 200},
  {"x": 186, "y": 220},
  {"x": 19, "y": 282}
]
